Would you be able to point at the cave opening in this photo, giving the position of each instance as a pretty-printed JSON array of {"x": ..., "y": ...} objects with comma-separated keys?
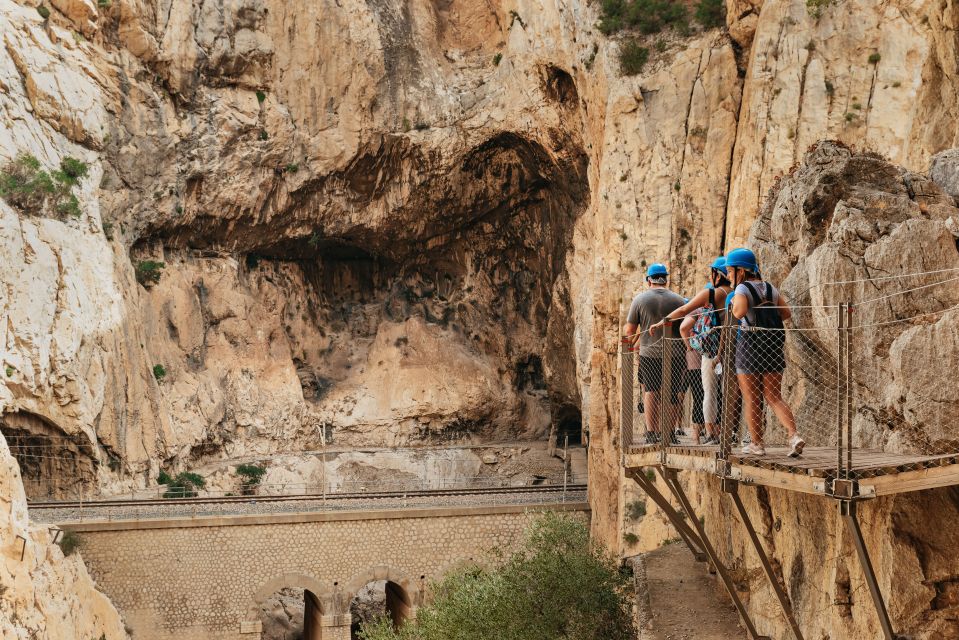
[
  {"x": 569, "y": 427},
  {"x": 53, "y": 465},
  {"x": 468, "y": 258}
]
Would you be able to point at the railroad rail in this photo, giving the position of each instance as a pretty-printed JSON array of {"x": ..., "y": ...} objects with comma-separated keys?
[{"x": 368, "y": 495}]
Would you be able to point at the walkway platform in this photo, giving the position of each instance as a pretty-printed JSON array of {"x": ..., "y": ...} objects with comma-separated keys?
[{"x": 876, "y": 473}]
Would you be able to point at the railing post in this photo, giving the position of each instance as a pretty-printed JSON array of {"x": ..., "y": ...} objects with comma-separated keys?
[
  {"x": 665, "y": 393},
  {"x": 726, "y": 400},
  {"x": 840, "y": 391},
  {"x": 627, "y": 377},
  {"x": 849, "y": 471}
]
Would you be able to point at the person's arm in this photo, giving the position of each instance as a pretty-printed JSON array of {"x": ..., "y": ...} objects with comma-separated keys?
[
  {"x": 740, "y": 305},
  {"x": 631, "y": 328},
  {"x": 784, "y": 311},
  {"x": 686, "y": 329},
  {"x": 698, "y": 301}
]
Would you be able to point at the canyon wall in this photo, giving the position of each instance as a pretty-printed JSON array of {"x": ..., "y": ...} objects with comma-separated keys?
[{"x": 395, "y": 224}]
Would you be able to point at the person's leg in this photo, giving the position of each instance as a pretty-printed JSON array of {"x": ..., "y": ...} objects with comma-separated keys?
[
  {"x": 750, "y": 384},
  {"x": 772, "y": 391},
  {"x": 709, "y": 382},
  {"x": 696, "y": 384},
  {"x": 651, "y": 402}
]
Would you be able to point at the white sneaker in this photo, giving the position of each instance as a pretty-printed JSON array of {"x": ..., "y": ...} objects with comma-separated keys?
[
  {"x": 753, "y": 450},
  {"x": 797, "y": 444}
]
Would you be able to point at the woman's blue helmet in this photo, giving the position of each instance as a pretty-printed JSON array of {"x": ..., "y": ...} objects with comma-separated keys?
[
  {"x": 657, "y": 270},
  {"x": 719, "y": 264},
  {"x": 743, "y": 259}
]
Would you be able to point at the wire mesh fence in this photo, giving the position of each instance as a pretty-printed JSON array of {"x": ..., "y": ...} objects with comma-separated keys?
[{"x": 848, "y": 390}]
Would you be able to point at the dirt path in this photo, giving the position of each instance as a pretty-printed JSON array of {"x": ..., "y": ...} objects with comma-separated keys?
[{"x": 685, "y": 602}]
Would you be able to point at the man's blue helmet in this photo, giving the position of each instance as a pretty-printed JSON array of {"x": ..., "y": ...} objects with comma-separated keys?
[
  {"x": 657, "y": 270},
  {"x": 742, "y": 258},
  {"x": 719, "y": 264}
]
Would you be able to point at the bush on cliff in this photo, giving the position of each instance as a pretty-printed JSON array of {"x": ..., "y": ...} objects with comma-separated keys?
[
  {"x": 559, "y": 585},
  {"x": 31, "y": 190},
  {"x": 184, "y": 485}
]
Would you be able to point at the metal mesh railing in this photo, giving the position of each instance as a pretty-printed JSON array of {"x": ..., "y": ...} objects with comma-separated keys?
[{"x": 846, "y": 391}]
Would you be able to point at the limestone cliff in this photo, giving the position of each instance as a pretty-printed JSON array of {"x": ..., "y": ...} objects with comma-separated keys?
[{"x": 395, "y": 223}]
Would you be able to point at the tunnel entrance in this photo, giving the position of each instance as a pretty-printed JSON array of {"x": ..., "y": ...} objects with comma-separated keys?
[
  {"x": 569, "y": 427},
  {"x": 291, "y": 614},
  {"x": 53, "y": 465},
  {"x": 377, "y": 600}
]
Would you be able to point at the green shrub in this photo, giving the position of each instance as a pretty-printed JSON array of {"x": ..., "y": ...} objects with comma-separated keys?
[
  {"x": 184, "y": 485},
  {"x": 260, "y": 96},
  {"x": 830, "y": 89},
  {"x": 164, "y": 478},
  {"x": 558, "y": 585},
  {"x": 44, "y": 12},
  {"x": 69, "y": 542},
  {"x": 148, "y": 272},
  {"x": 496, "y": 59},
  {"x": 815, "y": 7},
  {"x": 649, "y": 16},
  {"x": 250, "y": 477},
  {"x": 292, "y": 167},
  {"x": 159, "y": 372},
  {"x": 630, "y": 538},
  {"x": 629, "y": 265},
  {"x": 896, "y": 84},
  {"x": 635, "y": 510},
  {"x": 104, "y": 4},
  {"x": 632, "y": 57},
  {"x": 27, "y": 187},
  {"x": 9, "y": 371},
  {"x": 874, "y": 58},
  {"x": 107, "y": 229},
  {"x": 711, "y": 13},
  {"x": 264, "y": 135}
]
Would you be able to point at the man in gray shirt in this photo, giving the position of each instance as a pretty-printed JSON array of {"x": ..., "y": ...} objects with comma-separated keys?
[{"x": 647, "y": 309}]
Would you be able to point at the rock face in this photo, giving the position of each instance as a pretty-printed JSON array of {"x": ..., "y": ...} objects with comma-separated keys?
[
  {"x": 44, "y": 594},
  {"x": 414, "y": 224}
]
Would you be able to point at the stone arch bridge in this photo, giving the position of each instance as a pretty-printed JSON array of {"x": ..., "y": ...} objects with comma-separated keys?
[{"x": 203, "y": 578}]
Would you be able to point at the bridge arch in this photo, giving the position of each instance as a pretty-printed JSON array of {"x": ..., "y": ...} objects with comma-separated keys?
[
  {"x": 318, "y": 601},
  {"x": 403, "y": 593}
]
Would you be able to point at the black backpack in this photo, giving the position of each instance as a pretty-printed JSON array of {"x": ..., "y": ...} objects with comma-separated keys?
[{"x": 767, "y": 317}]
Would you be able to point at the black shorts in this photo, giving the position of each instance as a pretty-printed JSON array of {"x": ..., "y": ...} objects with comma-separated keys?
[{"x": 651, "y": 374}]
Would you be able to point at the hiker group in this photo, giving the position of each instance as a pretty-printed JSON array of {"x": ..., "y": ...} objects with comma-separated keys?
[{"x": 687, "y": 332}]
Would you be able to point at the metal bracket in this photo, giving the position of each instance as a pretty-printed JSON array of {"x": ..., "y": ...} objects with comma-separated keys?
[
  {"x": 731, "y": 487},
  {"x": 848, "y": 511},
  {"x": 677, "y": 490},
  {"x": 843, "y": 488},
  {"x": 689, "y": 536}
]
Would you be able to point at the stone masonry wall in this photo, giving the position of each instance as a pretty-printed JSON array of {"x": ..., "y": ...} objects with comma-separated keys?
[{"x": 202, "y": 579}]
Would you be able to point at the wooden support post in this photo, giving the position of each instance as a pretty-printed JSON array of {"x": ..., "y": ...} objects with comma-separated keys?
[
  {"x": 670, "y": 477},
  {"x": 732, "y": 488},
  {"x": 847, "y": 509}
]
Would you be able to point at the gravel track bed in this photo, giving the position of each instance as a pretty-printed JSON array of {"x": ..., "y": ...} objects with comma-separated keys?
[{"x": 265, "y": 505}]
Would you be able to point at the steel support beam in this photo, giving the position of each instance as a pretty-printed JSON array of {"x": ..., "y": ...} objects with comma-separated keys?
[
  {"x": 670, "y": 477},
  {"x": 689, "y": 536},
  {"x": 732, "y": 488},
  {"x": 847, "y": 509}
]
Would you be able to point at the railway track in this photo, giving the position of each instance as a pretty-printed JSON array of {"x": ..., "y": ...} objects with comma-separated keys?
[{"x": 330, "y": 497}]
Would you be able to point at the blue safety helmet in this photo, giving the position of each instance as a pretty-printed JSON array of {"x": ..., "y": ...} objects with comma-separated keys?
[
  {"x": 656, "y": 270},
  {"x": 743, "y": 259},
  {"x": 719, "y": 264}
]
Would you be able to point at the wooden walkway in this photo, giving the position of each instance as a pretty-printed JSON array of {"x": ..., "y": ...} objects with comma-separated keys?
[{"x": 877, "y": 472}]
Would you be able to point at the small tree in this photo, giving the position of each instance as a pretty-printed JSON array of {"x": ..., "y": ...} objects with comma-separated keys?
[
  {"x": 32, "y": 190},
  {"x": 632, "y": 57},
  {"x": 184, "y": 485},
  {"x": 148, "y": 272},
  {"x": 250, "y": 477},
  {"x": 711, "y": 13}
]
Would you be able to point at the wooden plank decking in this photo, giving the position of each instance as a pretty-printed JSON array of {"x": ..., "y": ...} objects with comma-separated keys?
[{"x": 878, "y": 472}]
